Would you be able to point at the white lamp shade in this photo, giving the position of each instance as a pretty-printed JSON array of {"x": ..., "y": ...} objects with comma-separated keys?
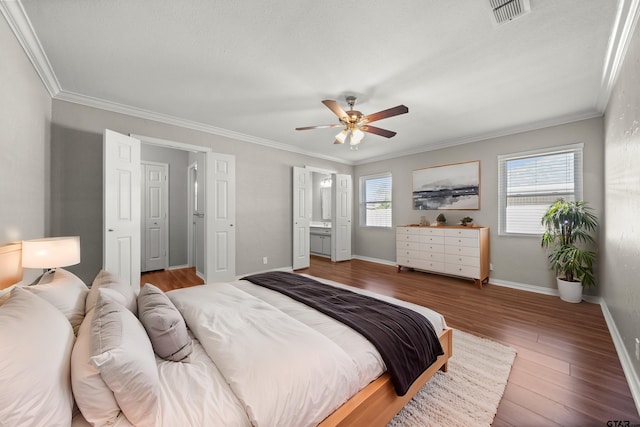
[
  {"x": 341, "y": 137},
  {"x": 356, "y": 137},
  {"x": 51, "y": 252}
]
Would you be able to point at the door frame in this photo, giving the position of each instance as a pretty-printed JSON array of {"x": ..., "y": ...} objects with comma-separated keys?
[
  {"x": 209, "y": 193},
  {"x": 143, "y": 210},
  {"x": 191, "y": 260}
]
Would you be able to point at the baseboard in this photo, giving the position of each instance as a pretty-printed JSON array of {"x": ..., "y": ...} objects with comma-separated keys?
[
  {"x": 524, "y": 287},
  {"x": 178, "y": 267},
  {"x": 376, "y": 260},
  {"x": 623, "y": 355},
  {"x": 287, "y": 269}
]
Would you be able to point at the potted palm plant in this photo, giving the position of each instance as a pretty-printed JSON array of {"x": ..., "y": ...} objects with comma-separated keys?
[{"x": 568, "y": 227}]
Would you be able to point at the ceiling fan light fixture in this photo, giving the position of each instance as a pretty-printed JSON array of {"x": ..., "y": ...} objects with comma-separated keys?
[
  {"x": 356, "y": 137},
  {"x": 342, "y": 137}
]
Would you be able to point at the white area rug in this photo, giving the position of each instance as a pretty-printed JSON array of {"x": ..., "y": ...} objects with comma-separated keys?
[{"x": 469, "y": 393}]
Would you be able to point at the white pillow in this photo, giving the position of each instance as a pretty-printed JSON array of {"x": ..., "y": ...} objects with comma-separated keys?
[
  {"x": 104, "y": 279},
  {"x": 35, "y": 352},
  {"x": 67, "y": 293},
  {"x": 164, "y": 324},
  {"x": 121, "y": 351},
  {"x": 94, "y": 398}
]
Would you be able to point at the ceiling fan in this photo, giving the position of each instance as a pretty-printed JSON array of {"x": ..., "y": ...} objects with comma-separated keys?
[{"x": 355, "y": 124}]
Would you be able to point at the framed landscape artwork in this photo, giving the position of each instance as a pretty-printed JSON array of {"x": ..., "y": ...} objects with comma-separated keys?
[{"x": 455, "y": 186}]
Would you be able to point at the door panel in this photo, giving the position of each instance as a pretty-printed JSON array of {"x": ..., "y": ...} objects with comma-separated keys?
[
  {"x": 220, "y": 251},
  {"x": 302, "y": 211},
  {"x": 341, "y": 241},
  {"x": 155, "y": 209},
  {"x": 121, "y": 180}
]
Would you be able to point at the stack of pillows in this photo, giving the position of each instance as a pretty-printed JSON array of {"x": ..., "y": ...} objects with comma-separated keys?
[{"x": 62, "y": 340}]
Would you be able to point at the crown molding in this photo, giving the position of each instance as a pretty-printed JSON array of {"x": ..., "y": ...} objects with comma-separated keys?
[
  {"x": 556, "y": 121},
  {"x": 115, "y": 107},
  {"x": 21, "y": 26},
  {"x": 623, "y": 29}
]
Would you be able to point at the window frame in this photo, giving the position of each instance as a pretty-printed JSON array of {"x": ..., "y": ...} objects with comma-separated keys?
[
  {"x": 503, "y": 159},
  {"x": 363, "y": 202}
]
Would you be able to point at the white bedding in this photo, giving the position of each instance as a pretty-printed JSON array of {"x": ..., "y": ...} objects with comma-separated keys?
[{"x": 278, "y": 361}]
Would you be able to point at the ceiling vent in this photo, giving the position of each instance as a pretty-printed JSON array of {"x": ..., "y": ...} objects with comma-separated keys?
[{"x": 508, "y": 10}]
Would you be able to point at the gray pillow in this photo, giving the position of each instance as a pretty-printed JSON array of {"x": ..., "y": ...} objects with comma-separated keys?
[{"x": 164, "y": 325}]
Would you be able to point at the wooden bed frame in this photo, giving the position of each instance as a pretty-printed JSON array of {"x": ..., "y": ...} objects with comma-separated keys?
[
  {"x": 10, "y": 264},
  {"x": 375, "y": 405}
]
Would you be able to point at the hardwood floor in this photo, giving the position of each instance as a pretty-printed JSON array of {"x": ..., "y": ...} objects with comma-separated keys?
[
  {"x": 172, "y": 279},
  {"x": 566, "y": 373}
]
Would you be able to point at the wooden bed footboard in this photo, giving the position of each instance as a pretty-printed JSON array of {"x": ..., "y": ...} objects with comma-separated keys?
[{"x": 377, "y": 403}]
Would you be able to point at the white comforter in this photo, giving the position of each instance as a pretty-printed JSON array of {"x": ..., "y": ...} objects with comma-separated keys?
[{"x": 277, "y": 362}]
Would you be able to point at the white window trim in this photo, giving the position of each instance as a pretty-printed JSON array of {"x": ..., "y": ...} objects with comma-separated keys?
[
  {"x": 362, "y": 217},
  {"x": 502, "y": 158}
]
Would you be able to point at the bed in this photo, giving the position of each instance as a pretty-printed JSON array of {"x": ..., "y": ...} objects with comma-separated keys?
[{"x": 80, "y": 372}]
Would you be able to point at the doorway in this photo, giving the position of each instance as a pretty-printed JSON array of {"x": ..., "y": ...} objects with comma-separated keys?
[
  {"x": 122, "y": 205},
  {"x": 331, "y": 236}
]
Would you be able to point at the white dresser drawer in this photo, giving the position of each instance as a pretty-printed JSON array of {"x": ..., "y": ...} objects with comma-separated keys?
[
  {"x": 437, "y": 240},
  {"x": 462, "y": 270},
  {"x": 461, "y": 241},
  {"x": 406, "y": 261},
  {"x": 433, "y": 256},
  {"x": 409, "y": 238},
  {"x": 461, "y": 232},
  {"x": 430, "y": 247},
  {"x": 427, "y": 231},
  {"x": 432, "y": 266},
  {"x": 410, "y": 253},
  {"x": 409, "y": 245},
  {"x": 406, "y": 230},
  {"x": 462, "y": 260},
  {"x": 462, "y": 250}
]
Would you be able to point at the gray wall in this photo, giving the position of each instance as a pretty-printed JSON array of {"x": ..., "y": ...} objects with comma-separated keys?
[
  {"x": 178, "y": 162},
  {"x": 518, "y": 260},
  {"x": 620, "y": 249},
  {"x": 25, "y": 115},
  {"x": 263, "y": 190}
]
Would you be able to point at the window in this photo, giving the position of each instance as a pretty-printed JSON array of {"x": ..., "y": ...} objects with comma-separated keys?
[
  {"x": 529, "y": 182},
  {"x": 375, "y": 200}
]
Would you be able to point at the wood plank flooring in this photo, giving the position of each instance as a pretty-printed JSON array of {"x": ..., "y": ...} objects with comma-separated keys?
[{"x": 566, "y": 373}]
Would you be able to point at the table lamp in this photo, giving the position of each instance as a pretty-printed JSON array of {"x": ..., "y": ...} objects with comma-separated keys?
[{"x": 50, "y": 253}]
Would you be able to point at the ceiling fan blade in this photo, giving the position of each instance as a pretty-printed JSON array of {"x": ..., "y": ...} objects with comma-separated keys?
[
  {"x": 395, "y": 111},
  {"x": 378, "y": 131},
  {"x": 336, "y": 108},
  {"x": 336, "y": 125}
]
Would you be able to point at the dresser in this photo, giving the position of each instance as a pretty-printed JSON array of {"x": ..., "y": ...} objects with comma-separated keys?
[{"x": 453, "y": 250}]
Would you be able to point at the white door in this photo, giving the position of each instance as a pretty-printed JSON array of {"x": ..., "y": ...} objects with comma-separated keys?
[
  {"x": 302, "y": 188},
  {"x": 342, "y": 207},
  {"x": 220, "y": 217},
  {"x": 155, "y": 209},
  {"x": 121, "y": 182}
]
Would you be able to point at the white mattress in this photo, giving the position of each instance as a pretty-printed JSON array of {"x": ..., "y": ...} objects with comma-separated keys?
[{"x": 307, "y": 363}]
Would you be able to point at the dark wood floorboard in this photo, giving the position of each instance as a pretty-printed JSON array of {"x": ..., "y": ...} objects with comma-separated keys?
[{"x": 566, "y": 373}]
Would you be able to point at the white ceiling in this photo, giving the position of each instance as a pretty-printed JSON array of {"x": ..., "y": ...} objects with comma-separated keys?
[{"x": 255, "y": 69}]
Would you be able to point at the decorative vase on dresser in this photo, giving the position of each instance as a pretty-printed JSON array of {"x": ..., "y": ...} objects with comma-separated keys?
[{"x": 452, "y": 250}]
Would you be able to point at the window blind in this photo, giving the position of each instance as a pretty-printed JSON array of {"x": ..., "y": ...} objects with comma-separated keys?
[
  {"x": 529, "y": 182},
  {"x": 375, "y": 201}
]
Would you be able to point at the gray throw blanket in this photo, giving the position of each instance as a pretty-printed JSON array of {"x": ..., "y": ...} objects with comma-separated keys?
[{"x": 405, "y": 339}]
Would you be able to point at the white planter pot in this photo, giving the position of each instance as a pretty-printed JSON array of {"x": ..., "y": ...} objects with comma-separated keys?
[{"x": 569, "y": 291}]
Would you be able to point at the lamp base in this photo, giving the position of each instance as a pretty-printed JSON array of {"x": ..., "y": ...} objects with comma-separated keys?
[{"x": 44, "y": 278}]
